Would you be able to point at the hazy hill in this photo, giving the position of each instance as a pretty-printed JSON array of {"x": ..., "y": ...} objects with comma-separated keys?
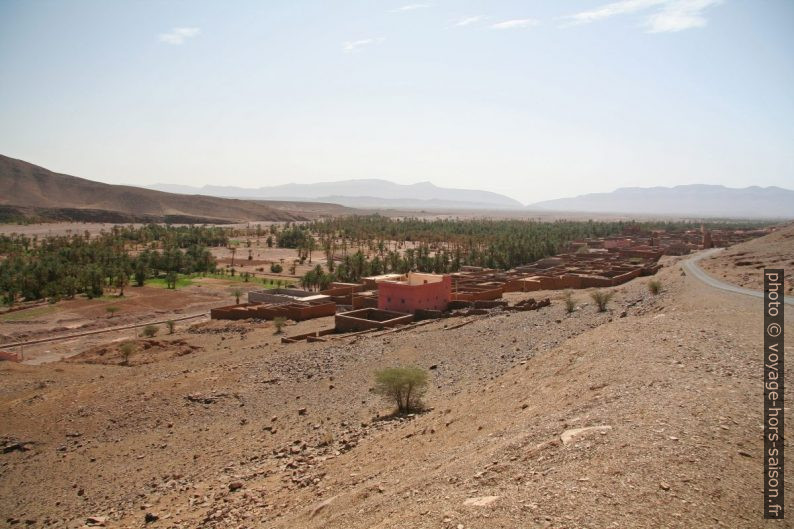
[
  {"x": 27, "y": 190},
  {"x": 699, "y": 200},
  {"x": 361, "y": 193}
]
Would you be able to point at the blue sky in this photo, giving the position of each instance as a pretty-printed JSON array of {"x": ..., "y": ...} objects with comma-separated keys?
[{"x": 533, "y": 99}]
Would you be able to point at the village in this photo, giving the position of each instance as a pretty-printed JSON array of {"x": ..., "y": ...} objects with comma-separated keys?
[{"x": 392, "y": 300}]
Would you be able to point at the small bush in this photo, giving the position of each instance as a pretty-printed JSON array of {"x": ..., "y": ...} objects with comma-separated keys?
[
  {"x": 237, "y": 293},
  {"x": 150, "y": 331},
  {"x": 279, "y": 322},
  {"x": 570, "y": 304},
  {"x": 127, "y": 348},
  {"x": 403, "y": 385},
  {"x": 111, "y": 311},
  {"x": 655, "y": 286},
  {"x": 601, "y": 299},
  {"x": 276, "y": 268},
  {"x": 170, "y": 324}
]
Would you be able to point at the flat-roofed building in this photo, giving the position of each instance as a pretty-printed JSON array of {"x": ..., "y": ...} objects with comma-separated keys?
[{"x": 415, "y": 292}]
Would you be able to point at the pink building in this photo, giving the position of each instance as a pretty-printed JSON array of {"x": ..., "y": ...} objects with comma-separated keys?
[{"x": 415, "y": 292}]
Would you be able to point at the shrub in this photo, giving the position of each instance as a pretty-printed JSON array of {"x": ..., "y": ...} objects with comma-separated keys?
[
  {"x": 279, "y": 322},
  {"x": 170, "y": 324},
  {"x": 111, "y": 311},
  {"x": 403, "y": 385},
  {"x": 127, "y": 348},
  {"x": 570, "y": 304},
  {"x": 601, "y": 299},
  {"x": 150, "y": 331},
  {"x": 276, "y": 268},
  {"x": 655, "y": 286},
  {"x": 237, "y": 293}
]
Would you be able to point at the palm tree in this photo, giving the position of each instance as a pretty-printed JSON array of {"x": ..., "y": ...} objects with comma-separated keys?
[{"x": 237, "y": 293}]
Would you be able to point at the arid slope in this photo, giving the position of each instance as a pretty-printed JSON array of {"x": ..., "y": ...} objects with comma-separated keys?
[
  {"x": 249, "y": 433},
  {"x": 53, "y": 196},
  {"x": 744, "y": 263}
]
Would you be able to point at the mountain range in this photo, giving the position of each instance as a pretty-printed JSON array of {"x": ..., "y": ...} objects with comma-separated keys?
[
  {"x": 365, "y": 193},
  {"x": 685, "y": 200},
  {"x": 28, "y": 191}
]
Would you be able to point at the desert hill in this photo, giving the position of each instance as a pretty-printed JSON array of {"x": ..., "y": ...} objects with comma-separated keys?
[
  {"x": 686, "y": 200},
  {"x": 30, "y": 190}
]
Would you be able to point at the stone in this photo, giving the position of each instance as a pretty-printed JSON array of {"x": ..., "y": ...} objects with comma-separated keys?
[
  {"x": 150, "y": 517},
  {"x": 96, "y": 521},
  {"x": 320, "y": 507},
  {"x": 481, "y": 501},
  {"x": 235, "y": 485},
  {"x": 569, "y": 435}
]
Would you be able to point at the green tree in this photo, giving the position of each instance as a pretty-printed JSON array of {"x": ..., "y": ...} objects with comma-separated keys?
[
  {"x": 126, "y": 349},
  {"x": 405, "y": 386}
]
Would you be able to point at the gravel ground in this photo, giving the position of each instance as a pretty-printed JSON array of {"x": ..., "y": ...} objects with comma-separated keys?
[{"x": 245, "y": 432}]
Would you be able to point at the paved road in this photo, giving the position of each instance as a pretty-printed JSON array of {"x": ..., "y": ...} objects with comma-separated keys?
[{"x": 691, "y": 267}]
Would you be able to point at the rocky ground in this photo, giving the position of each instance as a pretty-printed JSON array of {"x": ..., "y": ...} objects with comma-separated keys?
[
  {"x": 742, "y": 264},
  {"x": 647, "y": 415}
]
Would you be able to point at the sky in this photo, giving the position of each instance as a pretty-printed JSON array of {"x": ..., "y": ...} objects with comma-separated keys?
[{"x": 533, "y": 99}]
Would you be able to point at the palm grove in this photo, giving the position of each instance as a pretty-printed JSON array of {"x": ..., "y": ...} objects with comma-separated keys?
[
  {"x": 64, "y": 266},
  {"x": 350, "y": 248}
]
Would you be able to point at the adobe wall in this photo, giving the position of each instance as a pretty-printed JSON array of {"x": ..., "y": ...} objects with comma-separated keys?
[
  {"x": 296, "y": 311},
  {"x": 278, "y": 295},
  {"x": 402, "y": 297},
  {"x": 361, "y": 320}
]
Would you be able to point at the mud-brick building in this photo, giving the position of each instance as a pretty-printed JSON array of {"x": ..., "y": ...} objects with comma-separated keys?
[{"x": 415, "y": 292}]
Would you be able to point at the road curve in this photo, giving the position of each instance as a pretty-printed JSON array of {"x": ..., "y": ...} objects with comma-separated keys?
[{"x": 691, "y": 267}]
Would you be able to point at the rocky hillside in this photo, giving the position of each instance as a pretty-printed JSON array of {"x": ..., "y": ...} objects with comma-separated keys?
[
  {"x": 644, "y": 416},
  {"x": 30, "y": 191}
]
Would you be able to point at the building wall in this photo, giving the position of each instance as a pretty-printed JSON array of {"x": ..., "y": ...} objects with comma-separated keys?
[{"x": 408, "y": 298}]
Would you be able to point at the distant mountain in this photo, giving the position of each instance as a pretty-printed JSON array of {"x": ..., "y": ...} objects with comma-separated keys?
[
  {"x": 686, "y": 200},
  {"x": 32, "y": 192},
  {"x": 371, "y": 193}
]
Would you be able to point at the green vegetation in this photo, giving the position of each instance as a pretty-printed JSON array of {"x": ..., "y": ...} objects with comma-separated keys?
[
  {"x": 170, "y": 324},
  {"x": 601, "y": 299},
  {"x": 179, "y": 281},
  {"x": 127, "y": 348},
  {"x": 237, "y": 293},
  {"x": 403, "y": 385},
  {"x": 65, "y": 266},
  {"x": 570, "y": 303},
  {"x": 279, "y": 322},
  {"x": 316, "y": 279},
  {"x": 655, "y": 286},
  {"x": 276, "y": 268},
  {"x": 112, "y": 310},
  {"x": 150, "y": 331}
]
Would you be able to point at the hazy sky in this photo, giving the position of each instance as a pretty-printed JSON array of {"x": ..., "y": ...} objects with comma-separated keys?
[{"x": 534, "y": 99}]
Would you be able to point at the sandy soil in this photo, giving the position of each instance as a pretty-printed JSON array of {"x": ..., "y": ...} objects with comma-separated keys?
[
  {"x": 139, "y": 306},
  {"x": 743, "y": 264},
  {"x": 246, "y": 432}
]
